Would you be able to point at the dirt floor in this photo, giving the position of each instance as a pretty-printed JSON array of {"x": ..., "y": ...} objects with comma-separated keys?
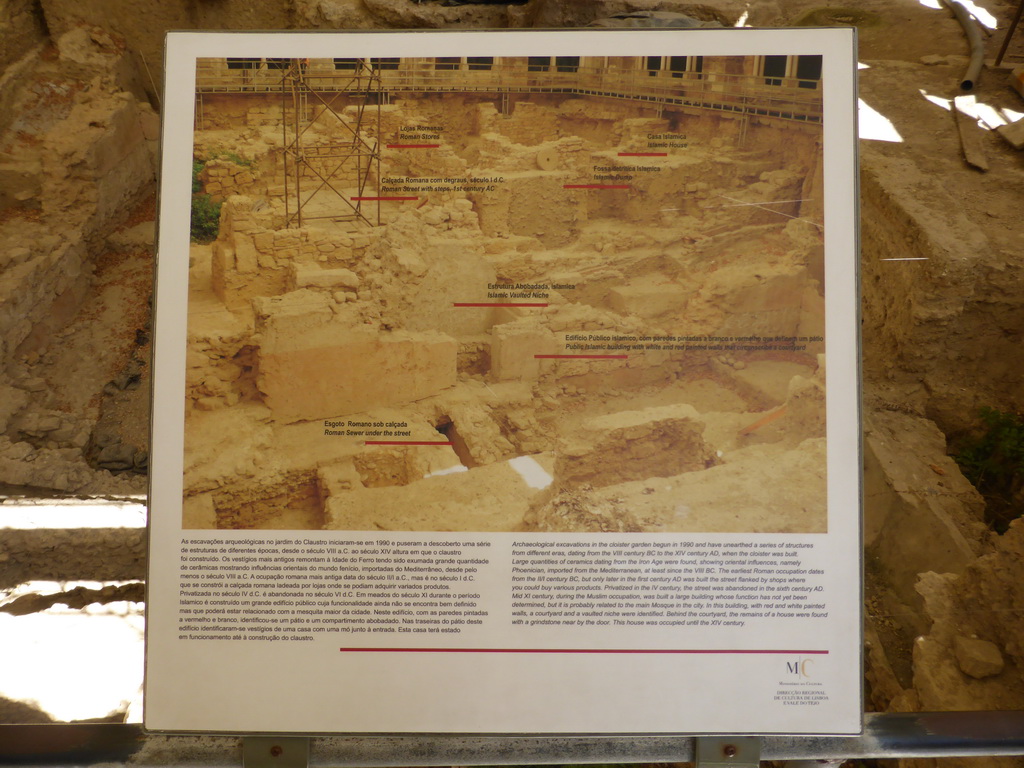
[{"x": 941, "y": 332}]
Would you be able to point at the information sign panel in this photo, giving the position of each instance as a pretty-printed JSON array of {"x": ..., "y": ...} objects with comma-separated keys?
[{"x": 491, "y": 389}]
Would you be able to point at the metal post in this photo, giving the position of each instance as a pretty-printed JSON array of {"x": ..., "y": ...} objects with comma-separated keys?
[
  {"x": 284, "y": 143},
  {"x": 1009, "y": 33},
  {"x": 299, "y": 158}
]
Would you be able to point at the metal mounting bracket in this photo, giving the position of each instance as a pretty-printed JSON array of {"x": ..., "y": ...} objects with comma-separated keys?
[
  {"x": 728, "y": 751},
  {"x": 270, "y": 752}
]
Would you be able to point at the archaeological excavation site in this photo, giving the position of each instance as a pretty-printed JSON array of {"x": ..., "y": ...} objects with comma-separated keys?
[
  {"x": 513, "y": 294},
  {"x": 538, "y": 294}
]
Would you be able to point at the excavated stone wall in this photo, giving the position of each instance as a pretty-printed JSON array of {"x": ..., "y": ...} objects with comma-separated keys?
[{"x": 81, "y": 156}]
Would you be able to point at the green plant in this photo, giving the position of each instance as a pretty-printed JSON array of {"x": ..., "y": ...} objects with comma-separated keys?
[
  {"x": 205, "y": 219},
  {"x": 231, "y": 157},
  {"x": 994, "y": 463},
  {"x": 205, "y": 222}
]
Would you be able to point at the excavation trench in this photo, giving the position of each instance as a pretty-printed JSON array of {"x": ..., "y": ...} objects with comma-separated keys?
[
  {"x": 509, "y": 334},
  {"x": 623, "y": 453}
]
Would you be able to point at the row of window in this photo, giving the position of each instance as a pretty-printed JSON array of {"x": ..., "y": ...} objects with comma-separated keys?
[
  {"x": 443, "y": 62},
  {"x": 677, "y": 65},
  {"x": 283, "y": 64},
  {"x": 806, "y": 69},
  {"x": 534, "y": 63}
]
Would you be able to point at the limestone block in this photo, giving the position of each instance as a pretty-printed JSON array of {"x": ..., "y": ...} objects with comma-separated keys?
[
  {"x": 805, "y": 407},
  {"x": 149, "y": 122},
  {"x": 19, "y": 181},
  {"x": 648, "y": 296},
  {"x": 48, "y": 423},
  {"x": 266, "y": 260},
  {"x": 763, "y": 488},
  {"x": 764, "y": 382},
  {"x": 198, "y": 512},
  {"x": 12, "y": 400},
  {"x": 1013, "y": 133},
  {"x": 532, "y": 204},
  {"x": 812, "y": 317},
  {"x": 18, "y": 255},
  {"x": 222, "y": 261},
  {"x": 637, "y": 128},
  {"x": 140, "y": 236},
  {"x": 445, "y": 271},
  {"x": 476, "y": 433},
  {"x": 122, "y": 133},
  {"x": 33, "y": 384},
  {"x": 338, "y": 478},
  {"x": 264, "y": 241},
  {"x": 937, "y": 679},
  {"x": 312, "y": 276},
  {"x": 767, "y": 292},
  {"x": 27, "y": 289},
  {"x": 635, "y": 445},
  {"x": 236, "y": 215},
  {"x": 97, "y": 163},
  {"x": 91, "y": 49},
  {"x": 334, "y": 369},
  {"x": 116, "y": 457},
  {"x": 279, "y": 319},
  {"x": 246, "y": 255},
  {"x": 977, "y": 658},
  {"x": 492, "y": 498},
  {"x": 241, "y": 272},
  {"x": 916, "y": 519},
  {"x": 514, "y": 348}
]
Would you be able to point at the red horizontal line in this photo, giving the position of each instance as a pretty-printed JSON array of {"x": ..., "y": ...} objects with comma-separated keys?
[
  {"x": 407, "y": 442},
  {"x": 595, "y": 186},
  {"x": 585, "y": 357},
  {"x": 385, "y": 198},
  {"x": 795, "y": 652},
  {"x": 643, "y": 154},
  {"x": 413, "y": 146},
  {"x": 495, "y": 304}
]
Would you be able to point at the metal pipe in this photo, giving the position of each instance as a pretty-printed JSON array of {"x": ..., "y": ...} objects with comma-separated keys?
[
  {"x": 974, "y": 38},
  {"x": 886, "y": 735}
]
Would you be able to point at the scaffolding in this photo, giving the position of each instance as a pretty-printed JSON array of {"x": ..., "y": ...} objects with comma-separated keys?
[{"x": 342, "y": 164}]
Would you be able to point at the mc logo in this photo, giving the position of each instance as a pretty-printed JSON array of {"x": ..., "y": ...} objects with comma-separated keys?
[{"x": 800, "y": 667}]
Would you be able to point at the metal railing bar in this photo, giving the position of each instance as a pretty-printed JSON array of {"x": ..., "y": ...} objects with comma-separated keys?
[
  {"x": 886, "y": 735},
  {"x": 710, "y": 90}
]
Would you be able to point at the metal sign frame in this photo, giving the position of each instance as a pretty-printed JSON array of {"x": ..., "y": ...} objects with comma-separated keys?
[{"x": 886, "y": 735}]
